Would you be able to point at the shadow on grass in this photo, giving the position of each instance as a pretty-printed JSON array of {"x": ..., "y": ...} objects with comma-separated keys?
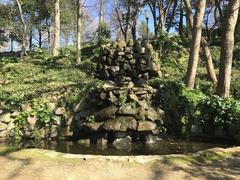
[
  {"x": 18, "y": 165},
  {"x": 209, "y": 165}
]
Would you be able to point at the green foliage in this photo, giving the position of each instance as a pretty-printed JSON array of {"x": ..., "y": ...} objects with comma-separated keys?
[
  {"x": 178, "y": 102},
  {"x": 219, "y": 112},
  {"x": 236, "y": 55},
  {"x": 185, "y": 108},
  {"x": 143, "y": 29},
  {"x": 169, "y": 43},
  {"x": 40, "y": 110},
  {"x": 90, "y": 52},
  {"x": 88, "y": 67},
  {"x": 3, "y": 38},
  {"x": 173, "y": 57},
  {"x": 21, "y": 120},
  {"x": 73, "y": 95},
  {"x": 40, "y": 54},
  {"x": 44, "y": 120},
  {"x": 43, "y": 114},
  {"x": 122, "y": 99},
  {"x": 5, "y": 11},
  {"x": 103, "y": 33},
  {"x": 215, "y": 52},
  {"x": 69, "y": 53},
  {"x": 174, "y": 94},
  {"x": 235, "y": 84},
  {"x": 204, "y": 85},
  {"x": 91, "y": 119},
  {"x": 133, "y": 104},
  {"x": 235, "y": 89},
  {"x": 8, "y": 59},
  {"x": 26, "y": 81}
]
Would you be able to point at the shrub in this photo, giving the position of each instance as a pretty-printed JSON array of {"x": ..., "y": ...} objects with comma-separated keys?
[
  {"x": 88, "y": 67},
  {"x": 235, "y": 89},
  {"x": 41, "y": 54},
  {"x": 169, "y": 43},
  {"x": 41, "y": 112},
  {"x": 103, "y": 33},
  {"x": 236, "y": 55},
  {"x": 173, "y": 56},
  {"x": 179, "y": 103},
  {"x": 218, "y": 113}
]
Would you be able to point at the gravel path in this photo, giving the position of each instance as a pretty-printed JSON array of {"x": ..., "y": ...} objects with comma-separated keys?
[{"x": 48, "y": 165}]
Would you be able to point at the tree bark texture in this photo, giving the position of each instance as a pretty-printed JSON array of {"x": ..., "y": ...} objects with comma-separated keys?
[
  {"x": 78, "y": 58},
  {"x": 204, "y": 44},
  {"x": 24, "y": 31},
  {"x": 101, "y": 11},
  {"x": 195, "y": 45},
  {"x": 225, "y": 68},
  {"x": 56, "y": 39}
]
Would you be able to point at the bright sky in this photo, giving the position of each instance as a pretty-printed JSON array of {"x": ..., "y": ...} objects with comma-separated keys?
[{"x": 92, "y": 7}]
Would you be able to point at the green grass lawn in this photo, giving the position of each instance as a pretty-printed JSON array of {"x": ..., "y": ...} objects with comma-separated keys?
[{"x": 23, "y": 81}]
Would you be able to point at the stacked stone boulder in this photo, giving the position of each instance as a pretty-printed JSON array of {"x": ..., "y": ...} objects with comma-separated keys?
[
  {"x": 124, "y": 108},
  {"x": 9, "y": 127},
  {"x": 6, "y": 123},
  {"x": 114, "y": 112},
  {"x": 128, "y": 63}
]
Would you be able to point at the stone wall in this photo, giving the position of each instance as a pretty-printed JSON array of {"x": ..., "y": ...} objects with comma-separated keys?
[
  {"x": 9, "y": 118},
  {"x": 128, "y": 63},
  {"x": 113, "y": 112}
]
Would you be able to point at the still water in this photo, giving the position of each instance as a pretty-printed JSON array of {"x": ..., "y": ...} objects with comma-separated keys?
[{"x": 162, "y": 147}]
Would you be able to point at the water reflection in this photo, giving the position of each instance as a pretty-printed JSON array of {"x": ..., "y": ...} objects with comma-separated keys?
[{"x": 162, "y": 147}]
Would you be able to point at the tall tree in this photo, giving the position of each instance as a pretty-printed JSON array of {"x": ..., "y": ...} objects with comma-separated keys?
[
  {"x": 228, "y": 29},
  {"x": 5, "y": 22},
  {"x": 172, "y": 15},
  {"x": 56, "y": 40},
  {"x": 180, "y": 24},
  {"x": 195, "y": 45},
  {"x": 143, "y": 30},
  {"x": 24, "y": 29},
  {"x": 127, "y": 12},
  {"x": 100, "y": 11},
  {"x": 159, "y": 10},
  {"x": 78, "y": 60},
  {"x": 204, "y": 44}
]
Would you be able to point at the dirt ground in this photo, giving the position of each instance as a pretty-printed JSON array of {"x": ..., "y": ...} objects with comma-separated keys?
[{"x": 48, "y": 165}]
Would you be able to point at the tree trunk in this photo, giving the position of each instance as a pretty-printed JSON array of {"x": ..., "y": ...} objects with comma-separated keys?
[
  {"x": 195, "y": 46},
  {"x": 23, "y": 51},
  {"x": 204, "y": 44},
  {"x": 56, "y": 39},
  {"x": 30, "y": 39},
  {"x": 49, "y": 40},
  {"x": 78, "y": 58},
  {"x": 180, "y": 25},
  {"x": 101, "y": 11},
  {"x": 120, "y": 23},
  {"x": 189, "y": 12},
  {"x": 134, "y": 30},
  {"x": 11, "y": 43},
  {"x": 209, "y": 61},
  {"x": 163, "y": 11},
  {"x": 127, "y": 19},
  {"x": 66, "y": 38},
  {"x": 225, "y": 68},
  {"x": 152, "y": 6},
  {"x": 172, "y": 15},
  {"x": 39, "y": 38}
]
